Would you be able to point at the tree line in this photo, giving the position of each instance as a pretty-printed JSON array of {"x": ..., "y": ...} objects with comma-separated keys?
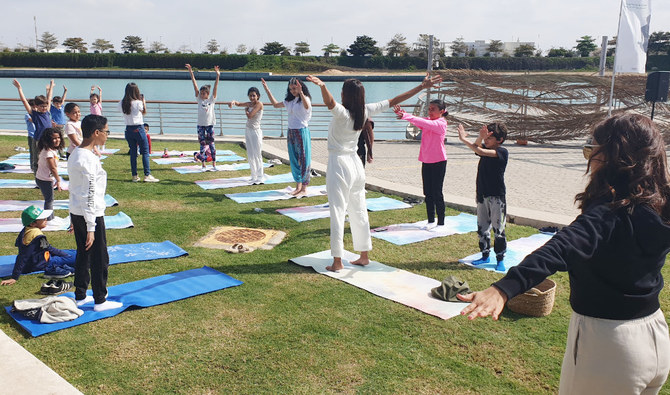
[{"x": 659, "y": 44}]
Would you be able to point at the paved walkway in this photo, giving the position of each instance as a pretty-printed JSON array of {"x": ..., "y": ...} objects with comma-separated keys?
[{"x": 542, "y": 180}]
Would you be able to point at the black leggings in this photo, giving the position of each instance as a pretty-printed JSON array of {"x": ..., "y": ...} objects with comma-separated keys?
[
  {"x": 433, "y": 180},
  {"x": 95, "y": 260}
]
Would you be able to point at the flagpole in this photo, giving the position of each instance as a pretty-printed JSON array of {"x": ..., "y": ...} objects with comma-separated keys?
[{"x": 609, "y": 111}]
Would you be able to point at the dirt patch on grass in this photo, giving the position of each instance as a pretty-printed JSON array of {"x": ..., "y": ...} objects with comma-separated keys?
[{"x": 156, "y": 206}]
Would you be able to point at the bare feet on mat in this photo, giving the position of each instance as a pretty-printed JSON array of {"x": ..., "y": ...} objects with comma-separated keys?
[
  {"x": 337, "y": 265},
  {"x": 297, "y": 190},
  {"x": 363, "y": 260}
]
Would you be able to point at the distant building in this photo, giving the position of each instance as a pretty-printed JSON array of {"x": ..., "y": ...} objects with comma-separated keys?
[{"x": 480, "y": 47}]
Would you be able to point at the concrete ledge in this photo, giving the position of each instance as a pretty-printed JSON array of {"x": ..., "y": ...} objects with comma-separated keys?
[{"x": 22, "y": 373}]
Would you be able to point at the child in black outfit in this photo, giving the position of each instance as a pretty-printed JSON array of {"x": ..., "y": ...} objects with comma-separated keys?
[
  {"x": 35, "y": 252},
  {"x": 491, "y": 205}
]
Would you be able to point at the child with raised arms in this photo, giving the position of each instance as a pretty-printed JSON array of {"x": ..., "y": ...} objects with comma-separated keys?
[
  {"x": 345, "y": 177},
  {"x": 47, "y": 176},
  {"x": 39, "y": 115},
  {"x": 95, "y": 100},
  {"x": 253, "y": 135},
  {"x": 432, "y": 155},
  {"x": 206, "y": 116},
  {"x": 298, "y": 103}
]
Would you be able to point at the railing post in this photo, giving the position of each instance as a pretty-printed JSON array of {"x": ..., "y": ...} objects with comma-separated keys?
[
  {"x": 220, "y": 120},
  {"x": 160, "y": 118}
]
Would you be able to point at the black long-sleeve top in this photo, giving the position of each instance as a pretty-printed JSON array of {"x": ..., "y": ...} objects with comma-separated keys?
[{"x": 613, "y": 259}]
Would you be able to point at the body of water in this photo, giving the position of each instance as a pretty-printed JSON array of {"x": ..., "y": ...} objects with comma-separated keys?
[{"x": 181, "y": 118}]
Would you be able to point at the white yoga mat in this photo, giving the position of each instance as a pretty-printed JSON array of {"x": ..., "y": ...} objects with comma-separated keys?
[
  {"x": 278, "y": 194},
  {"x": 401, "y": 234},
  {"x": 226, "y": 167},
  {"x": 27, "y": 184},
  {"x": 388, "y": 282},
  {"x": 20, "y": 205},
  {"x": 517, "y": 250},
  {"x": 189, "y": 153},
  {"x": 25, "y": 169},
  {"x": 220, "y": 183},
  {"x": 189, "y": 159},
  {"x": 307, "y": 213},
  {"x": 118, "y": 221}
]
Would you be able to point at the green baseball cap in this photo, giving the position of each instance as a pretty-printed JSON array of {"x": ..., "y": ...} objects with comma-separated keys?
[{"x": 33, "y": 213}]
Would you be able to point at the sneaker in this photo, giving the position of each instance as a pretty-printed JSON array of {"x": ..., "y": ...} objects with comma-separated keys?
[
  {"x": 481, "y": 261},
  {"x": 56, "y": 287},
  {"x": 57, "y": 272},
  {"x": 136, "y": 178},
  {"x": 150, "y": 178}
]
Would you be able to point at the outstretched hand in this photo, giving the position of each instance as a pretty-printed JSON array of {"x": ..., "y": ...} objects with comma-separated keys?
[
  {"x": 489, "y": 302},
  {"x": 399, "y": 112},
  {"x": 429, "y": 81},
  {"x": 218, "y": 73},
  {"x": 188, "y": 67},
  {"x": 462, "y": 134},
  {"x": 232, "y": 103},
  {"x": 16, "y": 83},
  {"x": 315, "y": 80},
  {"x": 265, "y": 84}
]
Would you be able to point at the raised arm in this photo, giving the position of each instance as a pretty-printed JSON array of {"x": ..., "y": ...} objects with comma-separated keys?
[
  {"x": 274, "y": 101},
  {"x": 305, "y": 103},
  {"x": 22, "y": 96},
  {"x": 328, "y": 99},
  {"x": 216, "y": 83},
  {"x": 195, "y": 84},
  {"x": 99, "y": 95},
  {"x": 64, "y": 93},
  {"x": 476, "y": 147},
  {"x": 144, "y": 105},
  {"x": 426, "y": 83},
  {"x": 50, "y": 93}
]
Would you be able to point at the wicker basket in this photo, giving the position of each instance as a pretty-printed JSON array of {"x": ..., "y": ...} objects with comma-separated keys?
[{"x": 536, "y": 302}]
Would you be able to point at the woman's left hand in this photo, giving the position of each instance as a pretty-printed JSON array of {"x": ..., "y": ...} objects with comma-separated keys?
[
  {"x": 490, "y": 301},
  {"x": 315, "y": 80}
]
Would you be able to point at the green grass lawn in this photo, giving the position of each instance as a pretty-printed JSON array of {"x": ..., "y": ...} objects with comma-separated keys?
[{"x": 287, "y": 328}]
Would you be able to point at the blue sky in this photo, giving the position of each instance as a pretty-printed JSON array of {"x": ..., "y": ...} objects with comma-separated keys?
[{"x": 190, "y": 24}]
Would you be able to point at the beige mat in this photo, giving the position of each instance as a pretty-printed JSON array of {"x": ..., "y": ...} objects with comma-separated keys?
[{"x": 225, "y": 237}]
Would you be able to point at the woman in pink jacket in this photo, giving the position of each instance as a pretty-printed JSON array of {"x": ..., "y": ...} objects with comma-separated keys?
[{"x": 432, "y": 155}]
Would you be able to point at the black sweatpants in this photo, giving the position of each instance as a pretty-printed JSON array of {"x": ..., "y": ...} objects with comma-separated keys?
[
  {"x": 95, "y": 260},
  {"x": 433, "y": 180}
]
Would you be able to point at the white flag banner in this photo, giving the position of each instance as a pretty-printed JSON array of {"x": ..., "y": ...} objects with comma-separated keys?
[{"x": 631, "y": 47}]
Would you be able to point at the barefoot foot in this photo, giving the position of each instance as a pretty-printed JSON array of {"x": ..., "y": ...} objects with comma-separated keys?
[{"x": 361, "y": 262}]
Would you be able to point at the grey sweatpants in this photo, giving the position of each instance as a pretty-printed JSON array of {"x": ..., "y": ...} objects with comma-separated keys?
[{"x": 491, "y": 213}]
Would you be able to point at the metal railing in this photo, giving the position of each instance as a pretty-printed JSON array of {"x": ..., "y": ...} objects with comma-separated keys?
[{"x": 180, "y": 117}]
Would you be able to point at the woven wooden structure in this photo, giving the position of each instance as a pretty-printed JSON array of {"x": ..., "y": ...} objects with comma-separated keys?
[
  {"x": 543, "y": 106},
  {"x": 536, "y": 302}
]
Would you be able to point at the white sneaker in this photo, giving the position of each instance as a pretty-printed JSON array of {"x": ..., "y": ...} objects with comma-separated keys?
[
  {"x": 136, "y": 178},
  {"x": 150, "y": 178}
]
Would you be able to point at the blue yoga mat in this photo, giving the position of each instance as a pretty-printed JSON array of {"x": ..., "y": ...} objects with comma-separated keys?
[
  {"x": 194, "y": 169},
  {"x": 143, "y": 293},
  {"x": 121, "y": 253},
  {"x": 517, "y": 250},
  {"x": 119, "y": 221},
  {"x": 279, "y": 194},
  {"x": 306, "y": 213}
]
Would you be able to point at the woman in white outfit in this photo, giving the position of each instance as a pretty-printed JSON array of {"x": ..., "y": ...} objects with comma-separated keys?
[
  {"x": 253, "y": 135},
  {"x": 345, "y": 177}
]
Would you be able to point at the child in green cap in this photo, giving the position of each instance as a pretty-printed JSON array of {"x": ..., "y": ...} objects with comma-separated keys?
[{"x": 35, "y": 252}]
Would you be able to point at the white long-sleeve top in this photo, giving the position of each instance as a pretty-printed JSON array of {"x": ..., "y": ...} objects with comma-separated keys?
[
  {"x": 342, "y": 138},
  {"x": 88, "y": 183}
]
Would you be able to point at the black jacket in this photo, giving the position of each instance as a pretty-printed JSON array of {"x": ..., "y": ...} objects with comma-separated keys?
[{"x": 613, "y": 258}]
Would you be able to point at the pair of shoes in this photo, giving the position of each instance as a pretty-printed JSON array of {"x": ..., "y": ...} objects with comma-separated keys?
[
  {"x": 481, "y": 261},
  {"x": 136, "y": 178},
  {"x": 58, "y": 272},
  {"x": 55, "y": 287},
  {"x": 150, "y": 178},
  {"x": 238, "y": 248}
]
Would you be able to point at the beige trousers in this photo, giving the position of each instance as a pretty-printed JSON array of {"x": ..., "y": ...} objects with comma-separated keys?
[{"x": 616, "y": 356}]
